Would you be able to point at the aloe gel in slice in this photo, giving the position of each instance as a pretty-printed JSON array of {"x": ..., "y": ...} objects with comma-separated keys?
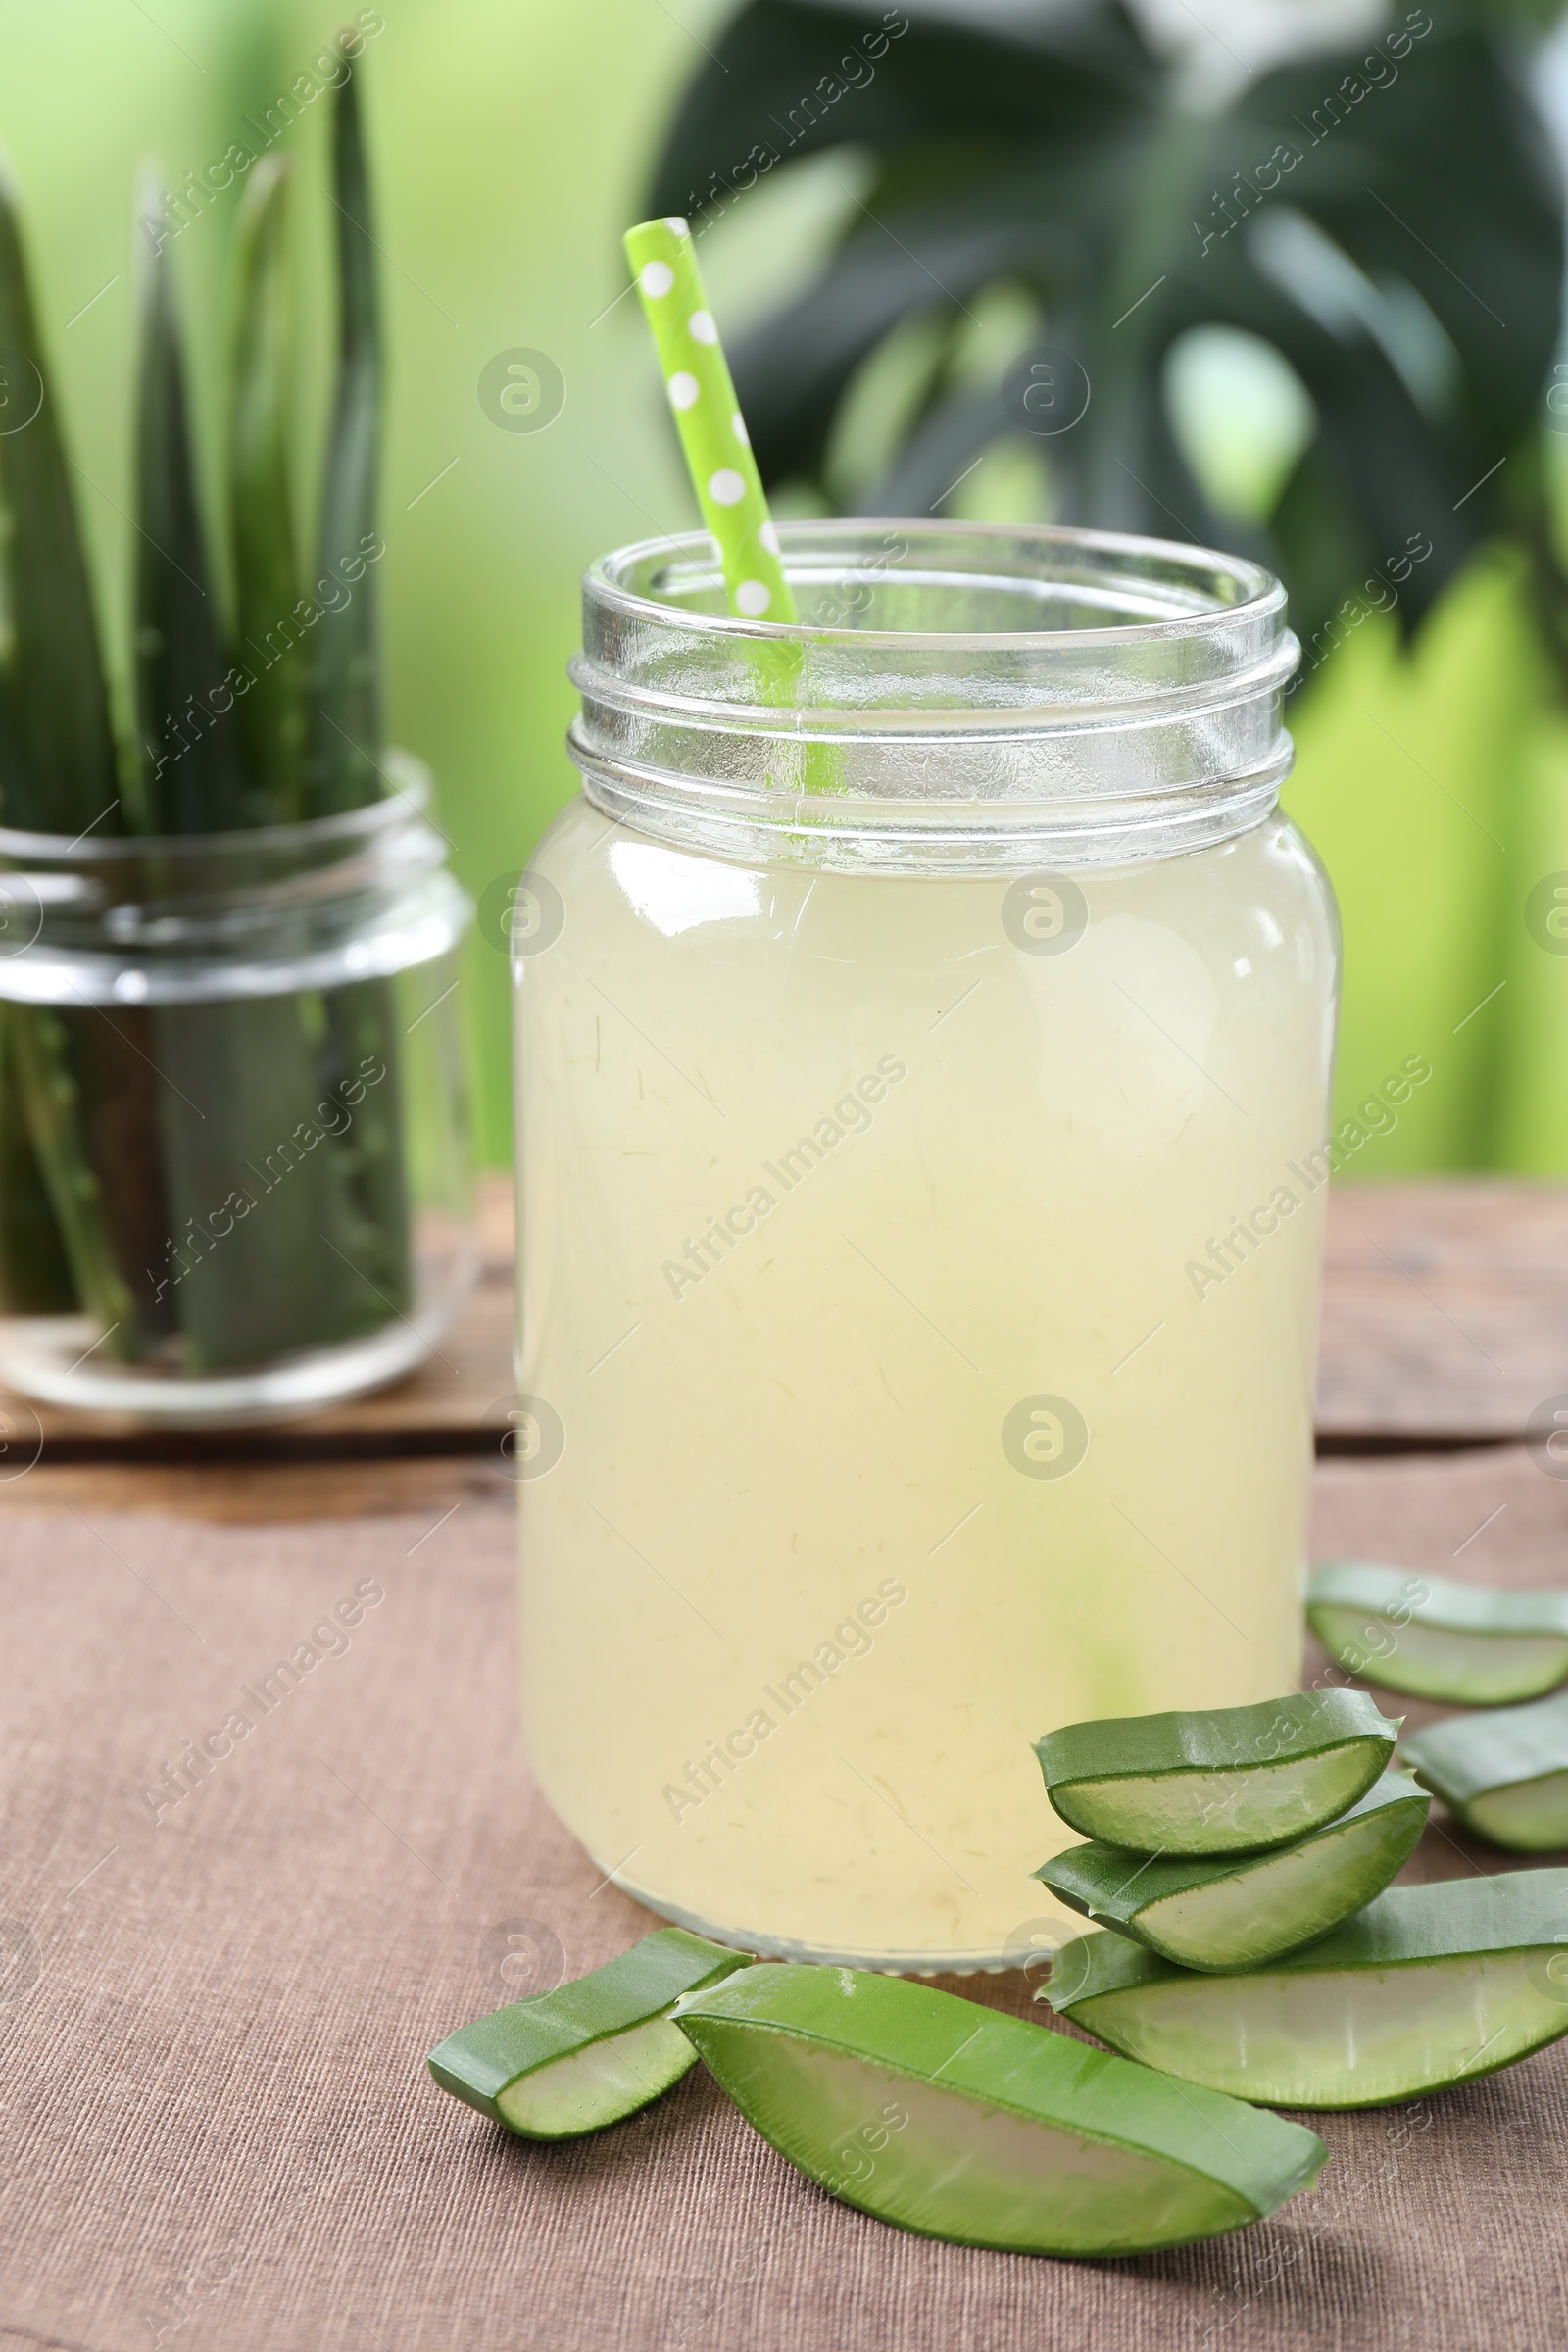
[
  {"x": 1436, "y": 1638},
  {"x": 1232, "y": 1913},
  {"x": 948, "y": 2119},
  {"x": 1505, "y": 1775},
  {"x": 1225, "y": 1780},
  {"x": 589, "y": 2053},
  {"x": 1426, "y": 1988}
]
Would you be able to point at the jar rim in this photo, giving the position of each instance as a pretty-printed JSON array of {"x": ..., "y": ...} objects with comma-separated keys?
[
  {"x": 1141, "y": 714},
  {"x": 411, "y": 786},
  {"x": 1259, "y": 596},
  {"x": 259, "y": 911}
]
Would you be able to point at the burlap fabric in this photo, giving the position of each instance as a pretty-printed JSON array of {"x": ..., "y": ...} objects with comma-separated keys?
[{"x": 217, "y": 2127}]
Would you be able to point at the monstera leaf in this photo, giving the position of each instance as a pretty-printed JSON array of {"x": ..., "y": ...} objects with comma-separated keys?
[{"x": 1387, "y": 220}]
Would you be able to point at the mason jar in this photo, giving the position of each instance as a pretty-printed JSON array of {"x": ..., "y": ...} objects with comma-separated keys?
[
  {"x": 925, "y": 1025},
  {"x": 235, "y": 1178}
]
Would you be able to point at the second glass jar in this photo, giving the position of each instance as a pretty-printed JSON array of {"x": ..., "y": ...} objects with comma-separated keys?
[{"x": 234, "y": 1163}]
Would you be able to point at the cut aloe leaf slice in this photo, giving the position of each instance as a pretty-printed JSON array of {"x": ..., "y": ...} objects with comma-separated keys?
[
  {"x": 589, "y": 2053},
  {"x": 1436, "y": 1638},
  {"x": 1505, "y": 1775},
  {"x": 1223, "y": 1781},
  {"x": 1238, "y": 1911},
  {"x": 956, "y": 2122},
  {"x": 1426, "y": 1988}
]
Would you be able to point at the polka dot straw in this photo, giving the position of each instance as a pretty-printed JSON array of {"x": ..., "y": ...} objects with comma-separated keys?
[{"x": 713, "y": 430}]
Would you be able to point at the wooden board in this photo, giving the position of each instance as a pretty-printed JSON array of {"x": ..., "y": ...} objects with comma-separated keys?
[{"x": 249, "y": 1493}]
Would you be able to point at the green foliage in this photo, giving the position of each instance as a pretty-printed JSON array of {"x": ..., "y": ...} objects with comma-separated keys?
[
  {"x": 272, "y": 715},
  {"x": 256, "y": 702},
  {"x": 56, "y": 752},
  {"x": 257, "y": 695},
  {"x": 344, "y": 742},
  {"x": 191, "y": 779},
  {"x": 1387, "y": 220}
]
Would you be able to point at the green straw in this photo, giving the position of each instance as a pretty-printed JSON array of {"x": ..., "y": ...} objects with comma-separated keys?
[{"x": 713, "y": 430}]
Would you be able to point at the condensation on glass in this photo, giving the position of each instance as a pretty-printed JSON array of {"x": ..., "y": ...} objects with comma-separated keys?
[{"x": 925, "y": 1025}]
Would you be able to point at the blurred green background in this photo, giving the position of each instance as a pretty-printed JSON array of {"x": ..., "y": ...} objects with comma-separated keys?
[{"x": 511, "y": 142}]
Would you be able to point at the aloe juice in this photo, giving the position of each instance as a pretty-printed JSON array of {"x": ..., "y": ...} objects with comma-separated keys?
[{"x": 919, "y": 1304}]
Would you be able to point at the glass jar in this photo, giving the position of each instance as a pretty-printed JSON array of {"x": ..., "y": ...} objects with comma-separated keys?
[
  {"x": 925, "y": 1025},
  {"x": 234, "y": 1165}
]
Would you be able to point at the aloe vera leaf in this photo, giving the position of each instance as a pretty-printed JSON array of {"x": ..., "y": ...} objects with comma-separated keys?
[
  {"x": 1244, "y": 1909},
  {"x": 589, "y": 2053},
  {"x": 193, "y": 780},
  {"x": 1438, "y": 1638},
  {"x": 269, "y": 634},
  {"x": 345, "y": 733},
  {"x": 59, "y": 772},
  {"x": 53, "y": 1094},
  {"x": 88, "y": 1091},
  {"x": 345, "y": 721},
  {"x": 1223, "y": 1780},
  {"x": 1504, "y": 1774},
  {"x": 113, "y": 1056},
  {"x": 952, "y": 2120},
  {"x": 360, "y": 1059},
  {"x": 1428, "y": 1987},
  {"x": 34, "y": 1271},
  {"x": 256, "y": 1252}
]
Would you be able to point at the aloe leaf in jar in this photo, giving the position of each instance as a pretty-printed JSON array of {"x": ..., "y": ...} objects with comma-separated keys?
[{"x": 920, "y": 1191}]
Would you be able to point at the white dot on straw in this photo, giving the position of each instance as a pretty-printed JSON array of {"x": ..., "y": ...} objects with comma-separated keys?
[
  {"x": 753, "y": 598},
  {"x": 726, "y": 487},
  {"x": 676, "y": 225},
  {"x": 768, "y": 537},
  {"x": 700, "y": 326},
  {"x": 656, "y": 278},
  {"x": 683, "y": 388},
  {"x": 737, "y": 425}
]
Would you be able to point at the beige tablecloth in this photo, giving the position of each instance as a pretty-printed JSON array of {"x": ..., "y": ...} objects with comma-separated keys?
[{"x": 217, "y": 2127}]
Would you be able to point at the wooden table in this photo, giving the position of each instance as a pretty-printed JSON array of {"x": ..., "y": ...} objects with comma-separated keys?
[{"x": 1445, "y": 1325}]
